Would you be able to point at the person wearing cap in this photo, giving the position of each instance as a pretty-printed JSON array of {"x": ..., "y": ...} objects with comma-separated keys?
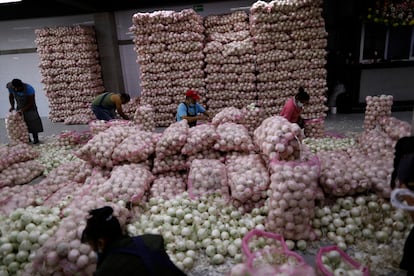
[
  {"x": 405, "y": 180},
  {"x": 24, "y": 96},
  {"x": 105, "y": 104},
  {"x": 190, "y": 109}
]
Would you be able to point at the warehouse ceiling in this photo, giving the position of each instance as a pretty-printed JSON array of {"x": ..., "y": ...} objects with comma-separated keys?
[{"x": 49, "y": 8}]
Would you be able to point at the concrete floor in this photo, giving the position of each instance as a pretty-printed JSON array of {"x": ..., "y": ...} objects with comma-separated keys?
[{"x": 336, "y": 123}]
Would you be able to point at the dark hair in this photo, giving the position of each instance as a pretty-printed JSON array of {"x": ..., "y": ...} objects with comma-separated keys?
[
  {"x": 125, "y": 97},
  {"x": 101, "y": 224},
  {"x": 17, "y": 83},
  {"x": 302, "y": 96}
]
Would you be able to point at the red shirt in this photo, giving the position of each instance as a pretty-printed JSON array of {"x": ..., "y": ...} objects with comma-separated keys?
[{"x": 291, "y": 111}]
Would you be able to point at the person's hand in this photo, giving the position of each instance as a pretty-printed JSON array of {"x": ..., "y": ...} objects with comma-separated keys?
[
  {"x": 202, "y": 117},
  {"x": 11, "y": 109},
  {"x": 20, "y": 112}
]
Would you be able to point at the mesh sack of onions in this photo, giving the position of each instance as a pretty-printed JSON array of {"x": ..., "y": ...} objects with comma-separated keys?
[
  {"x": 63, "y": 252},
  {"x": 206, "y": 154},
  {"x": 22, "y": 196},
  {"x": 200, "y": 137},
  {"x": 98, "y": 150},
  {"x": 68, "y": 138},
  {"x": 394, "y": 127},
  {"x": 314, "y": 128},
  {"x": 343, "y": 174},
  {"x": 376, "y": 108},
  {"x": 377, "y": 168},
  {"x": 228, "y": 114},
  {"x": 331, "y": 260},
  {"x": 131, "y": 107},
  {"x": 61, "y": 196},
  {"x": 16, "y": 127},
  {"x": 168, "y": 186},
  {"x": 253, "y": 117},
  {"x": 144, "y": 116},
  {"x": 207, "y": 176},
  {"x": 128, "y": 182},
  {"x": 248, "y": 179},
  {"x": 12, "y": 154},
  {"x": 169, "y": 164},
  {"x": 21, "y": 173},
  {"x": 172, "y": 139},
  {"x": 73, "y": 171},
  {"x": 277, "y": 138},
  {"x": 135, "y": 148},
  {"x": 376, "y": 141},
  {"x": 233, "y": 137},
  {"x": 97, "y": 126},
  {"x": 293, "y": 188},
  {"x": 78, "y": 119}
]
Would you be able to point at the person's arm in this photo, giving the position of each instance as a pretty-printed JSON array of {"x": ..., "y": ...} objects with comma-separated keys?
[
  {"x": 11, "y": 100},
  {"x": 202, "y": 110},
  {"x": 192, "y": 119},
  {"x": 118, "y": 106}
]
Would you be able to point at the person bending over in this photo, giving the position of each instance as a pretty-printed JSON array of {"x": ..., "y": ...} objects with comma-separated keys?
[
  {"x": 294, "y": 106},
  {"x": 24, "y": 96},
  {"x": 105, "y": 105}
]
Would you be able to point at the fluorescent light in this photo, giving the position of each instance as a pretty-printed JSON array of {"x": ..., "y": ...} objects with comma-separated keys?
[
  {"x": 9, "y": 1},
  {"x": 240, "y": 9}
]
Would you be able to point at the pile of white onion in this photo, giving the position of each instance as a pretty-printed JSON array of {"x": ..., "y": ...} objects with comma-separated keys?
[
  {"x": 328, "y": 143},
  {"x": 206, "y": 225},
  {"x": 23, "y": 232}
]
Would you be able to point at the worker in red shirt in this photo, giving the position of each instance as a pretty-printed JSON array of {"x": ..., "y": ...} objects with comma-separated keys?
[{"x": 294, "y": 106}]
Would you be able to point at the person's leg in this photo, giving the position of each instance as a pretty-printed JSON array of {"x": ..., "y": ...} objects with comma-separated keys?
[
  {"x": 102, "y": 113},
  {"x": 35, "y": 138}
]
